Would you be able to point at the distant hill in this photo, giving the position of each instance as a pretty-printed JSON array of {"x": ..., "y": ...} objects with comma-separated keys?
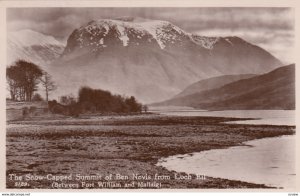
[
  {"x": 212, "y": 83},
  {"x": 32, "y": 46},
  {"x": 274, "y": 90}
]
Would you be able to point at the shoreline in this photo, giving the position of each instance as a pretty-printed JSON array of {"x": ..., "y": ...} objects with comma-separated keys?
[
  {"x": 174, "y": 160},
  {"x": 128, "y": 144}
]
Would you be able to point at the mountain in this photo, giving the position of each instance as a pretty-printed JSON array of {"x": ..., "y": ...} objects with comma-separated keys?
[
  {"x": 274, "y": 90},
  {"x": 151, "y": 59},
  {"x": 212, "y": 83},
  {"x": 32, "y": 46}
]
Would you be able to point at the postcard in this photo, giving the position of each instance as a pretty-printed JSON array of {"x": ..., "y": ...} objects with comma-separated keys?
[{"x": 135, "y": 95}]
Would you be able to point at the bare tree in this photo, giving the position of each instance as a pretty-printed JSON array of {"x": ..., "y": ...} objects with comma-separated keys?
[
  {"x": 145, "y": 108},
  {"x": 48, "y": 84}
]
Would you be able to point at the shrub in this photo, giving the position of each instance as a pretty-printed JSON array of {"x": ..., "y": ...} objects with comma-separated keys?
[
  {"x": 32, "y": 109},
  {"x": 37, "y": 97},
  {"x": 58, "y": 109},
  {"x": 67, "y": 100},
  {"x": 25, "y": 111}
]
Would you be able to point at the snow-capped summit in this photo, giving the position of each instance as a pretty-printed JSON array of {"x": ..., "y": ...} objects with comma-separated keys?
[
  {"x": 32, "y": 46},
  {"x": 129, "y": 31}
]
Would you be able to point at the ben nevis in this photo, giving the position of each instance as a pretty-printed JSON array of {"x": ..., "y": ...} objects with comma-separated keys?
[{"x": 157, "y": 59}]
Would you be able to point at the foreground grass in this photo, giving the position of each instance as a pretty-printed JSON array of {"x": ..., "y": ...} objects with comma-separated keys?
[{"x": 123, "y": 145}]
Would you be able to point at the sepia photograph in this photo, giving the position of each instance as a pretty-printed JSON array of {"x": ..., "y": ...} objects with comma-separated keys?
[{"x": 150, "y": 98}]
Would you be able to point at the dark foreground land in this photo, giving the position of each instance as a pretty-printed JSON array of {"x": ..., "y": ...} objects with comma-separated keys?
[{"x": 123, "y": 145}]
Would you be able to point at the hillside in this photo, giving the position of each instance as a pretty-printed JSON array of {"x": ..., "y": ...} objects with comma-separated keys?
[
  {"x": 274, "y": 90},
  {"x": 212, "y": 83}
]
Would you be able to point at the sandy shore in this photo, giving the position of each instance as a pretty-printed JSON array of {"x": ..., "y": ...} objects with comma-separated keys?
[{"x": 125, "y": 145}]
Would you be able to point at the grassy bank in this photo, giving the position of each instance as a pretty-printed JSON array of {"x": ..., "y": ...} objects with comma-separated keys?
[{"x": 123, "y": 145}]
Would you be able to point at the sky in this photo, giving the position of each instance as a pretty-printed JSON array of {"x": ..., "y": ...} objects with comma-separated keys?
[{"x": 269, "y": 28}]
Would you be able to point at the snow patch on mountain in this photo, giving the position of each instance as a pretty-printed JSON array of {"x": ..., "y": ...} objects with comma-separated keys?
[
  {"x": 205, "y": 42},
  {"x": 228, "y": 40},
  {"x": 123, "y": 36},
  {"x": 154, "y": 29}
]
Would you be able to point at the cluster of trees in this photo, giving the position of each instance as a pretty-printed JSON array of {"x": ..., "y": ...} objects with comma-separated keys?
[
  {"x": 100, "y": 100},
  {"x": 96, "y": 100},
  {"x": 23, "y": 78}
]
